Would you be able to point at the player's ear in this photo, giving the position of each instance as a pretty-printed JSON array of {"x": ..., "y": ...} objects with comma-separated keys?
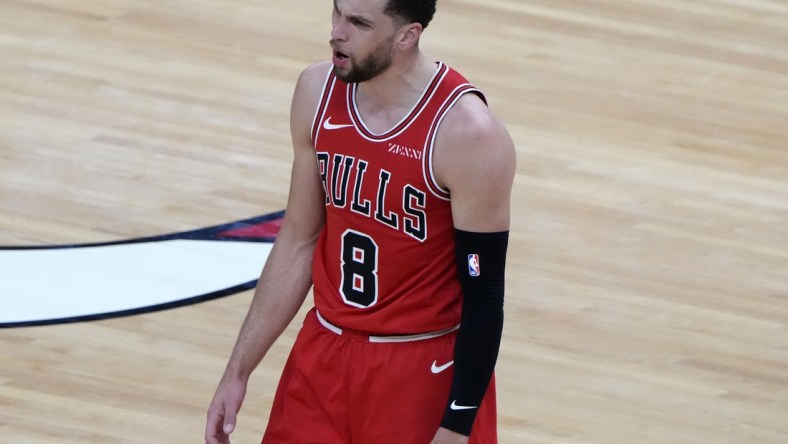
[{"x": 409, "y": 35}]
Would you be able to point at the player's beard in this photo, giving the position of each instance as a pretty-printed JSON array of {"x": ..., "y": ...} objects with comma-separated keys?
[{"x": 370, "y": 66}]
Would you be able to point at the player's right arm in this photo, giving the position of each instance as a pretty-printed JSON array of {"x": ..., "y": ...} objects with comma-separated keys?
[{"x": 287, "y": 275}]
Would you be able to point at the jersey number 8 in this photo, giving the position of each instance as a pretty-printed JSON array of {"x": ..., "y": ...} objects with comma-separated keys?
[{"x": 359, "y": 286}]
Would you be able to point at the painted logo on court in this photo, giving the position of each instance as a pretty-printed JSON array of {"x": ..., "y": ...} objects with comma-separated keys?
[{"x": 42, "y": 285}]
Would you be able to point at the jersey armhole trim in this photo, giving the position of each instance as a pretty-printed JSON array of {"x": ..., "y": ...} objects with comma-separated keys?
[
  {"x": 428, "y": 166},
  {"x": 325, "y": 94}
]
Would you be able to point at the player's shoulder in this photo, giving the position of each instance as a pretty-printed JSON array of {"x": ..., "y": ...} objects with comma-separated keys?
[
  {"x": 471, "y": 123},
  {"x": 313, "y": 77},
  {"x": 474, "y": 154},
  {"x": 306, "y": 96}
]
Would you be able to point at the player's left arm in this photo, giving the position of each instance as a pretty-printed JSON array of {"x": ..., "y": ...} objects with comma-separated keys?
[{"x": 475, "y": 160}]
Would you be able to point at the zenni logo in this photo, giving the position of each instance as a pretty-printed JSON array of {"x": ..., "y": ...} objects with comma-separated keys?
[{"x": 41, "y": 285}]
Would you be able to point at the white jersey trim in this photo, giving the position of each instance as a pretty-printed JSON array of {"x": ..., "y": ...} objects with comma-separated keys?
[
  {"x": 320, "y": 111},
  {"x": 353, "y": 108},
  {"x": 388, "y": 339},
  {"x": 429, "y": 149}
]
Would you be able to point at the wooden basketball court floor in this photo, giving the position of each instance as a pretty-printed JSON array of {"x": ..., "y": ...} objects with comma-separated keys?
[{"x": 648, "y": 272}]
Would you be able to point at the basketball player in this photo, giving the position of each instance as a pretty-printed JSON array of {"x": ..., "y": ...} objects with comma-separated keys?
[{"x": 398, "y": 217}]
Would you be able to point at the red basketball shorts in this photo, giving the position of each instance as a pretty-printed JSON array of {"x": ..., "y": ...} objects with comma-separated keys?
[{"x": 342, "y": 389}]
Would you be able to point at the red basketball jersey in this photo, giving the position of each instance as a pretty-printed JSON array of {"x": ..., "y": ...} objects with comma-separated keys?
[{"x": 385, "y": 261}]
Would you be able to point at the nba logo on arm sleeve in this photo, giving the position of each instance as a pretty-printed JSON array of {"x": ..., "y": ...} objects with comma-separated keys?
[{"x": 473, "y": 265}]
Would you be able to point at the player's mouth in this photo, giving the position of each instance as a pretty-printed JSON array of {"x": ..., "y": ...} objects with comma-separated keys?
[{"x": 339, "y": 58}]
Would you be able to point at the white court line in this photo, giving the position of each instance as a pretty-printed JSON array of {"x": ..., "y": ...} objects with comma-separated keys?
[{"x": 70, "y": 282}]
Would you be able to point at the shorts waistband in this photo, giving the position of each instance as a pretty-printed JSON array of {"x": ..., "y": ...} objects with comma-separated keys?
[{"x": 388, "y": 338}]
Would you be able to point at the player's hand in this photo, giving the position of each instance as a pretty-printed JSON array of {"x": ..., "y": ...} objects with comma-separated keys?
[
  {"x": 223, "y": 412},
  {"x": 445, "y": 436}
]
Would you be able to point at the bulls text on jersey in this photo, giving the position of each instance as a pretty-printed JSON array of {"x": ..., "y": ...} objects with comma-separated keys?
[{"x": 341, "y": 192}]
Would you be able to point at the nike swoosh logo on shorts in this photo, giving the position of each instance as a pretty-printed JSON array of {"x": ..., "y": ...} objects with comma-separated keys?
[
  {"x": 439, "y": 368},
  {"x": 454, "y": 406},
  {"x": 330, "y": 126}
]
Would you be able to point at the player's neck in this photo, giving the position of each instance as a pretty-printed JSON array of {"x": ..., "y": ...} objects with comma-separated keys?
[{"x": 394, "y": 92}]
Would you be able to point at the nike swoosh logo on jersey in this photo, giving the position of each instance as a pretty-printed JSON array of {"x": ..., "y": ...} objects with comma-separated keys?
[
  {"x": 330, "y": 126},
  {"x": 439, "y": 368},
  {"x": 454, "y": 406}
]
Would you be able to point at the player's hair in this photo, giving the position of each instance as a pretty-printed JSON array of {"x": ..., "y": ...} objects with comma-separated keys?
[{"x": 412, "y": 11}]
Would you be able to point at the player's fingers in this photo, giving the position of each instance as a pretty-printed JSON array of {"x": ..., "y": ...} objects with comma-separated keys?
[
  {"x": 216, "y": 437},
  {"x": 213, "y": 427},
  {"x": 229, "y": 422}
]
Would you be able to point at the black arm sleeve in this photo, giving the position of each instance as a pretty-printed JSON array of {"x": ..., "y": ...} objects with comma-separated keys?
[{"x": 481, "y": 261}]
